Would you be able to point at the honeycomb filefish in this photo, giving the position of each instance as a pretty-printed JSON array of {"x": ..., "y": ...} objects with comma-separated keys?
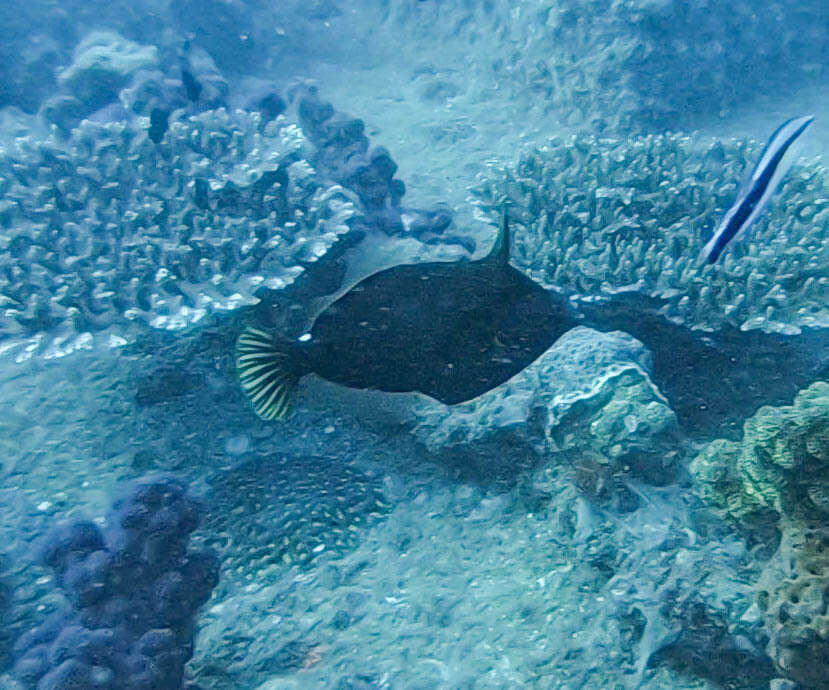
[{"x": 449, "y": 330}]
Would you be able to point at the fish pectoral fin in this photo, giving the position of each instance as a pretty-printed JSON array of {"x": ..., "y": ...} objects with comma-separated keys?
[{"x": 267, "y": 372}]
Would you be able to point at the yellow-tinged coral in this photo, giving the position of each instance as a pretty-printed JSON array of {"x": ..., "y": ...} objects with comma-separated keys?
[
  {"x": 782, "y": 463},
  {"x": 794, "y": 595},
  {"x": 782, "y": 466}
]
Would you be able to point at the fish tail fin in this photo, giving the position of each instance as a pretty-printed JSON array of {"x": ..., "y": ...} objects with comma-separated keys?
[{"x": 268, "y": 372}]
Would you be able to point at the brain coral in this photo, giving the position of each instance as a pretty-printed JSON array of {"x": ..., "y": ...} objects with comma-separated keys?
[
  {"x": 603, "y": 216},
  {"x": 108, "y": 229},
  {"x": 781, "y": 465}
]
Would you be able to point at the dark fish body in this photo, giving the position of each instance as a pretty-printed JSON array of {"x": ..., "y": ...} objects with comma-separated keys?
[
  {"x": 192, "y": 87},
  {"x": 158, "y": 124},
  {"x": 449, "y": 330}
]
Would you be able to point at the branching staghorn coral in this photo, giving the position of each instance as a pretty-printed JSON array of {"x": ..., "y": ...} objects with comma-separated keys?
[
  {"x": 109, "y": 229},
  {"x": 602, "y": 216}
]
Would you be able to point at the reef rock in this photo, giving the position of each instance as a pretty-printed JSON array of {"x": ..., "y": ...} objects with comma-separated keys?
[
  {"x": 589, "y": 394},
  {"x": 793, "y": 592}
]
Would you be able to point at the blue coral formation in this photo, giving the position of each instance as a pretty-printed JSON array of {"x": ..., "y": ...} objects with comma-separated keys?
[
  {"x": 132, "y": 598},
  {"x": 343, "y": 152},
  {"x": 5, "y": 605}
]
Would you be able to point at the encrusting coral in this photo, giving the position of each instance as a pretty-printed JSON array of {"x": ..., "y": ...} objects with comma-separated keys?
[{"x": 780, "y": 469}]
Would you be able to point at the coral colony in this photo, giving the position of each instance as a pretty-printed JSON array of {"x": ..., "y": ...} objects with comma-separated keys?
[{"x": 132, "y": 593}]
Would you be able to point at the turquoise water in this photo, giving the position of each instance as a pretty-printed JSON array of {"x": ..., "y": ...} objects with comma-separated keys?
[{"x": 643, "y": 505}]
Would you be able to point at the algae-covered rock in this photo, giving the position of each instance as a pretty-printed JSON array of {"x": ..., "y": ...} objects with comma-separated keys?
[
  {"x": 604, "y": 216},
  {"x": 793, "y": 593},
  {"x": 781, "y": 465},
  {"x": 589, "y": 393}
]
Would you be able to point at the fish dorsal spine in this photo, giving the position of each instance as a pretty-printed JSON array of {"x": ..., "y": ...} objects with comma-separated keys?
[{"x": 499, "y": 254}]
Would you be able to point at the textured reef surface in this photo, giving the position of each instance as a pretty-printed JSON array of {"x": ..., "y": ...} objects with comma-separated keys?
[
  {"x": 646, "y": 505},
  {"x": 109, "y": 228},
  {"x": 605, "y": 216},
  {"x": 777, "y": 479}
]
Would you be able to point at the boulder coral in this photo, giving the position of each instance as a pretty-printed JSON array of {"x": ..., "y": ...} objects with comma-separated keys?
[
  {"x": 780, "y": 470},
  {"x": 103, "y": 62},
  {"x": 133, "y": 597},
  {"x": 781, "y": 466}
]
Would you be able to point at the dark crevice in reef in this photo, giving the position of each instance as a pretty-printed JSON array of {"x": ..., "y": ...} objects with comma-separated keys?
[
  {"x": 714, "y": 381},
  {"x": 706, "y": 649}
]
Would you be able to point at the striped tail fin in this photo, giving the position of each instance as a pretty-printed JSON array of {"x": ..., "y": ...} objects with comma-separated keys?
[{"x": 268, "y": 373}]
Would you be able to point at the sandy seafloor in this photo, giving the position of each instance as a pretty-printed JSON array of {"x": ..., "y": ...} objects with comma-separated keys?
[{"x": 454, "y": 582}]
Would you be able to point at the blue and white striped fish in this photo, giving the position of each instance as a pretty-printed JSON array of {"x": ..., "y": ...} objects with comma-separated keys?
[{"x": 758, "y": 189}]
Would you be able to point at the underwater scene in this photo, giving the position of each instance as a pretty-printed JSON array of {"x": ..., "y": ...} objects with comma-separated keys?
[{"x": 413, "y": 344}]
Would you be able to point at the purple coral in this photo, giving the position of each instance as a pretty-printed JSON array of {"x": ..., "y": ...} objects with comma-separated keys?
[{"x": 134, "y": 598}]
